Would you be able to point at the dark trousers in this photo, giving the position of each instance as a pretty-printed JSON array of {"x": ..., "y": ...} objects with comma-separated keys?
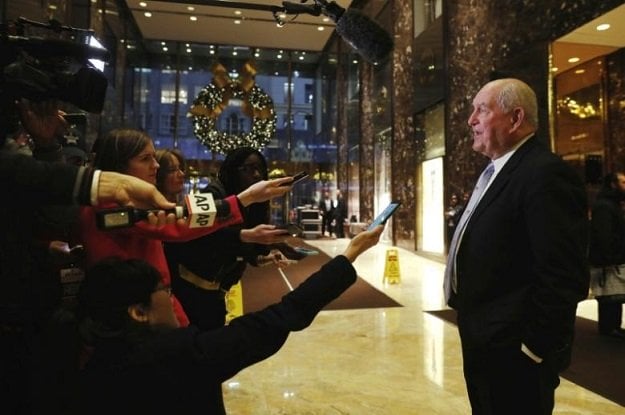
[
  {"x": 610, "y": 315},
  {"x": 326, "y": 223},
  {"x": 508, "y": 382}
]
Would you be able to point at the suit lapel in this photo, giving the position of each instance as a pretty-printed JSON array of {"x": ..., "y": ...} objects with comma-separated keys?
[{"x": 502, "y": 178}]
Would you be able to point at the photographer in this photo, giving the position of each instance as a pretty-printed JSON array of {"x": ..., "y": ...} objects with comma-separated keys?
[{"x": 28, "y": 299}]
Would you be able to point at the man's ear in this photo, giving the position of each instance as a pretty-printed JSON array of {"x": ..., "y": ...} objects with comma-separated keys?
[{"x": 138, "y": 312}]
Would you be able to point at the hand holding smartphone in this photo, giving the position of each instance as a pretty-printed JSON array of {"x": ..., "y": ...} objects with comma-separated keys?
[
  {"x": 385, "y": 215},
  {"x": 291, "y": 228},
  {"x": 296, "y": 178}
]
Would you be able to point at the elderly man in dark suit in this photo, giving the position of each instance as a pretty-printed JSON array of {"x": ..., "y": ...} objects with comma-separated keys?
[{"x": 517, "y": 264}]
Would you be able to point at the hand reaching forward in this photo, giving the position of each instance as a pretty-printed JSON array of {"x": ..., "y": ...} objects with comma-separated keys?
[
  {"x": 263, "y": 234},
  {"x": 363, "y": 241},
  {"x": 265, "y": 190}
]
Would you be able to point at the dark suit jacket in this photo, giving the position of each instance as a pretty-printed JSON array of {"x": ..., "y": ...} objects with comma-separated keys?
[{"x": 522, "y": 263}]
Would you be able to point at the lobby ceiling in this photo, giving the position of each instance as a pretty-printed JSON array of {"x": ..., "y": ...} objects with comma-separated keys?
[
  {"x": 232, "y": 23},
  {"x": 587, "y": 42}
]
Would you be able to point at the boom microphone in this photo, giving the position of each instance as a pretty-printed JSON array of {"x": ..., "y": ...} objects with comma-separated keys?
[
  {"x": 369, "y": 40},
  {"x": 200, "y": 210}
]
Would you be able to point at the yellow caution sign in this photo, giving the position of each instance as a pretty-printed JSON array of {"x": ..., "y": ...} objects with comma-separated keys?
[
  {"x": 391, "y": 267},
  {"x": 234, "y": 302}
]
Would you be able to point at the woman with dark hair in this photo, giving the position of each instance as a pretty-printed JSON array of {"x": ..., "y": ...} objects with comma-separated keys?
[
  {"x": 126, "y": 315},
  {"x": 204, "y": 270},
  {"x": 132, "y": 152}
]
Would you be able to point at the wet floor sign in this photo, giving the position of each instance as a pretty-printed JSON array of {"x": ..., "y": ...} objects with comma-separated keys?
[
  {"x": 391, "y": 267},
  {"x": 234, "y": 302}
]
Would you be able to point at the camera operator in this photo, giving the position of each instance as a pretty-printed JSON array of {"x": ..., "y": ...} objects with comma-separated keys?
[{"x": 30, "y": 372}]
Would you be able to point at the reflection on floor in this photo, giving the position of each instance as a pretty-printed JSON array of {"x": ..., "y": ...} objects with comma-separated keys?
[{"x": 394, "y": 361}]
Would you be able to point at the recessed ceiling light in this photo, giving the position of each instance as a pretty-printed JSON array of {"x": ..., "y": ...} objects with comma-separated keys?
[
  {"x": 188, "y": 50},
  {"x": 602, "y": 27},
  {"x": 190, "y": 8},
  {"x": 143, "y": 4},
  {"x": 237, "y": 12},
  {"x": 580, "y": 71},
  {"x": 326, "y": 19},
  {"x": 554, "y": 69},
  {"x": 147, "y": 14},
  {"x": 321, "y": 28},
  {"x": 237, "y": 21},
  {"x": 163, "y": 43},
  {"x": 279, "y": 56},
  {"x": 301, "y": 58},
  {"x": 193, "y": 18},
  {"x": 165, "y": 49},
  {"x": 573, "y": 59}
]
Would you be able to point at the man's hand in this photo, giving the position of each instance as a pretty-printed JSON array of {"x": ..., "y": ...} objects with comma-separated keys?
[
  {"x": 265, "y": 190},
  {"x": 128, "y": 190}
]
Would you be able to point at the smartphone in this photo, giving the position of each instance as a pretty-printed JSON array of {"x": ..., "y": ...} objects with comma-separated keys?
[
  {"x": 386, "y": 213},
  {"x": 296, "y": 178},
  {"x": 291, "y": 228}
]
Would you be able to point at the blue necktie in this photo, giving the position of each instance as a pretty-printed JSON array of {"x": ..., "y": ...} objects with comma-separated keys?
[{"x": 450, "y": 282}]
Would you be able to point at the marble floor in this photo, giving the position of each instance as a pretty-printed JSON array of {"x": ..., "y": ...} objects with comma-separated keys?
[{"x": 393, "y": 361}]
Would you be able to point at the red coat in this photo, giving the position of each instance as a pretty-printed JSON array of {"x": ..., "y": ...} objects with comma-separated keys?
[{"x": 144, "y": 242}]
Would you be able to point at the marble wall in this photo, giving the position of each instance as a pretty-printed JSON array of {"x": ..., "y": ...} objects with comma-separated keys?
[
  {"x": 485, "y": 39},
  {"x": 616, "y": 110}
]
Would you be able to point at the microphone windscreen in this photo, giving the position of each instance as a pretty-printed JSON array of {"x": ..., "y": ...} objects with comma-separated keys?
[{"x": 370, "y": 40}]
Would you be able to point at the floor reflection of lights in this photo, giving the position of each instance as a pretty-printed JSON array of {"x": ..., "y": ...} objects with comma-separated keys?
[{"x": 393, "y": 361}]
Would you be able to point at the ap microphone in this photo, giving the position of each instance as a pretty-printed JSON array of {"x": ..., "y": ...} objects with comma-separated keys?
[
  {"x": 369, "y": 40},
  {"x": 200, "y": 210}
]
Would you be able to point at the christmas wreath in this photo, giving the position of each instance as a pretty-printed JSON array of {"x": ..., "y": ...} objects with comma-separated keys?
[{"x": 214, "y": 97}]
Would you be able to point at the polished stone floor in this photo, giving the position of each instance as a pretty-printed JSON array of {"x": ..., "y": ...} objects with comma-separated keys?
[{"x": 393, "y": 361}]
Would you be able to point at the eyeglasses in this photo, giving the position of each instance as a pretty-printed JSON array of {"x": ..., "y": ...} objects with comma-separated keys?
[{"x": 250, "y": 168}]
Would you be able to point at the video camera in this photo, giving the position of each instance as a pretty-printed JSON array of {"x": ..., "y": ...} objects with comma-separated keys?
[{"x": 57, "y": 66}]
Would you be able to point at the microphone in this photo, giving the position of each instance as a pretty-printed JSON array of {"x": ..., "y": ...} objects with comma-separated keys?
[
  {"x": 367, "y": 38},
  {"x": 200, "y": 210}
]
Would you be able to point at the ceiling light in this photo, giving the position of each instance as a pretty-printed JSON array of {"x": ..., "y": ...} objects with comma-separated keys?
[
  {"x": 147, "y": 14},
  {"x": 143, "y": 4},
  {"x": 573, "y": 59},
  {"x": 279, "y": 56},
  {"x": 321, "y": 28},
  {"x": 237, "y": 21},
  {"x": 301, "y": 58},
  {"x": 190, "y": 8},
  {"x": 554, "y": 69},
  {"x": 235, "y": 53},
  {"x": 326, "y": 19},
  {"x": 602, "y": 27},
  {"x": 193, "y": 18},
  {"x": 165, "y": 49},
  {"x": 580, "y": 71},
  {"x": 188, "y": 50},
  {"x": 237, "y": 12},
  {"x": 163, "y": 43}
]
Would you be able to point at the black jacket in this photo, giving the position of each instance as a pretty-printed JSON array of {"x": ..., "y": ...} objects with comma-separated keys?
[
  {"x": 607, "y": 230},
  {"x": 522, "y": 262},
  {"x": 175, "y": 372}
]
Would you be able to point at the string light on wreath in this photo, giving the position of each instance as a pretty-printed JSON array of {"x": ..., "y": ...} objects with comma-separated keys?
[{"x": 214, "y": 98}]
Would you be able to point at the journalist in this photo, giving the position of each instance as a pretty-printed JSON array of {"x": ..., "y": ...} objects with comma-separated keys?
[{"x": 28, "y": 299}]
